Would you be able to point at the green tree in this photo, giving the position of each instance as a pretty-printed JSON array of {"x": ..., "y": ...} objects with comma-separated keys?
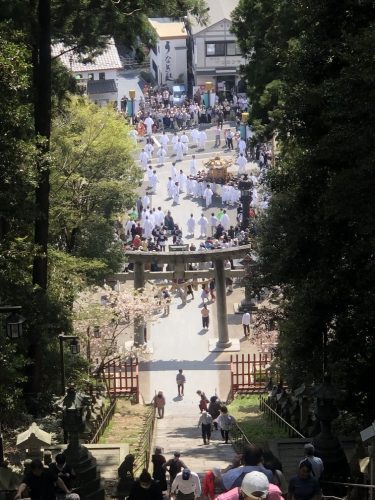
[
  {"x": 93, "y": 179},
  {"x": 317, "y": 238}
]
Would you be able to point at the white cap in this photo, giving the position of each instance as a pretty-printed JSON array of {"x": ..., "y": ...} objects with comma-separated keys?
[{"x": 255, "y": 482}]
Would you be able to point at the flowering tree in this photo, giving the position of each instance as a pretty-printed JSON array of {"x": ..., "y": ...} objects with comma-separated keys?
[{"x": 104, "y": 320}]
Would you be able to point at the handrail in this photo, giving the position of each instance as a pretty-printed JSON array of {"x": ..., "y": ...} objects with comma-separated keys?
[
  {"x": 142, "y": 456},
  {"x": 238, "y": 438},
  {"x": 355, "y": 485},
  {"x": 103, "y": 425},
  {"x": 270, "y": 412}
]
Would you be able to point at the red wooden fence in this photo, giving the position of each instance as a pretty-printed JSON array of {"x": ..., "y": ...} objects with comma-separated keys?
[
  {"x": 122, "y": 377},
  {"x": 249, "y": 372}
]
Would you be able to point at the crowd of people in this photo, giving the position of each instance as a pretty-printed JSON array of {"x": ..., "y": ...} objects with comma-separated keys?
[
  {"x": 252, "y": 474},
  {"x": 166, "y": 115}
]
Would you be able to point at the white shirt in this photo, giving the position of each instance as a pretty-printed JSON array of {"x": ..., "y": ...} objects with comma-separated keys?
[
  {"x": 246, "y": 319},
  {"x": 191, "y": 485}
]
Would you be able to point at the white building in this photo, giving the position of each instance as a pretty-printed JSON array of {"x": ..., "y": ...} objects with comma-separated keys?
[
  {"x": 168, "y": 57},
  {"x": 104, "y": 67},
  {"x": 217, "y": 57}
]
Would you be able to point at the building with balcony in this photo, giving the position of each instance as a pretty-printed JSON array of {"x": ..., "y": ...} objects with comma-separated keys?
[{"x": 216, "y": 55}]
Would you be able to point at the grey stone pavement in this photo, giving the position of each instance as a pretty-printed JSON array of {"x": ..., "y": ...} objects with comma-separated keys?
[{"x": 179, "y": 341}]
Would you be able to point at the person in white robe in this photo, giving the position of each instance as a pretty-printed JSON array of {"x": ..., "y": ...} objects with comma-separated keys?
[
  {"x": 194, "y": 188},
  {"x": 164, "y": 140},
  {"x": 147, "y": 228},
  {"x": 159, "y": 217},
  {"x": 191, "y": 225},
  {"x": 203, "y": 223},
  {"x": 193, "y": 166},
  {"x": 194, "y": 134},
  {"x": 225, "y": 222},
  {"x": 179, "y": 151},
  {"x": 149, "y": 149},
  {"x": 154, "y": 181},
  {"x": 143, "y": 158},
  {"x": 152, "y": 217},
  {"x": 173, "y": 171},
  {"x": 170, "y": 187},
  {"x": 207, "y": 195},
  {"x": 202, "y": 139},
  {"x": 185, "y": 143},
  {"x": 189, "y": 186},
  {"x": 174, "y": 141},
  {"x": 241, "y": 162},
  {"x": 224, "y": 194},
  {"x": 182, "y": 181},
  {"x": 149, "y": 175},
  {"x": 149, "y": 123},
  {"x": 176, "y": 194},
  {"x": 161, "y": 154},
  {"x": 145, "y": 201},
  {"x": 213, "y": 223},
  {"x": 242, "y": 146}
]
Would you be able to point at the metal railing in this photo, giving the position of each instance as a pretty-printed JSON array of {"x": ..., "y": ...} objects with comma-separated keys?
[
  {"x": 354, "y": 491},
  {"x": 238, "y": 438},
  {"x": 104, "y": 423},
  {"x": 143, "y": 454},
  {"x": 278, "y": 419}
]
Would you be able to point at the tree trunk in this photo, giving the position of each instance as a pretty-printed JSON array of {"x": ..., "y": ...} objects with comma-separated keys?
[{"x": 42, "y": 117}]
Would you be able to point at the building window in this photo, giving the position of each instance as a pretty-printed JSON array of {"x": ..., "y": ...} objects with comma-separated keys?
[
  {"x": 215, "y": 49},
  {"x": 90, "y": 76},
  {"x": 222, "y": 49},
  {"x": 233, "y": 49},
  {"x": 101, "y": 76}
]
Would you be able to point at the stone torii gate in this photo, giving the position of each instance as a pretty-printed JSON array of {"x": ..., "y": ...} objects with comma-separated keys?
[{"x": 178, "y": 261}]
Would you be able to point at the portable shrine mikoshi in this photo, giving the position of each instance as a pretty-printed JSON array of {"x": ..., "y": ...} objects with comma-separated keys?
[{"x": 218, "y": 170}]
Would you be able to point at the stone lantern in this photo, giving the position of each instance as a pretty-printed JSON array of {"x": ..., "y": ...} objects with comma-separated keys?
[{"x": 327, "y": 446}]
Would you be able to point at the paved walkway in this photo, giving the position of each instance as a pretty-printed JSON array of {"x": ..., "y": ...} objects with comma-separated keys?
[{"x": 179, "y": 341}]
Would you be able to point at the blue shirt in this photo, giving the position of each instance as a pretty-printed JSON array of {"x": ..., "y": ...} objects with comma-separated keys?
[{"x": 229, "y": 478}]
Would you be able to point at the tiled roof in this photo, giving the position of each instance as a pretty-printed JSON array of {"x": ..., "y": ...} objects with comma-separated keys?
[
  {"x": 168, "y": 30},
  {"x": 109, "y": 59},
  {"x": 219, "y": 10},
  {"x": 101, "y": 86}
]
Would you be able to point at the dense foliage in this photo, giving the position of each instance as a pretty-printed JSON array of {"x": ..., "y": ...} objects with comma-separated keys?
[
  {"x": 48, "y": 256},
  {"x": 311, "y": 78}
]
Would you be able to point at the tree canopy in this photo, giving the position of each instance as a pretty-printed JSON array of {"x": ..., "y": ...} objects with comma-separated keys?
[{"x": 311, "y": 79}]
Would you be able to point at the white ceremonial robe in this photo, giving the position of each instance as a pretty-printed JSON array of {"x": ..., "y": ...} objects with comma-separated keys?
[
  {"x": 241, "y": 162},
  {"x": 203, "y": 223},
  {"x": 191, "y": 225},
  {"x": 176, "y": 195},
  {"x": 207, "y": 195},
  {"x": 193, "y": 167},
  {"x": 202, "y": 139},
  {"x": 179, "y": 151},
  {"x": 170, "y": 188},
  {"x": 148, "y": 227},
  {"x": 161, "y": 156},
  {"x": 143, "y": 158},
  {"x": 225, "y": 222}
]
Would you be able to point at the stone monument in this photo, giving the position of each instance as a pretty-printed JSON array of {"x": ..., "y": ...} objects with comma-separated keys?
[
  {"x": 327, "y": 446},
  {"x": 75, "y": 406}
]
